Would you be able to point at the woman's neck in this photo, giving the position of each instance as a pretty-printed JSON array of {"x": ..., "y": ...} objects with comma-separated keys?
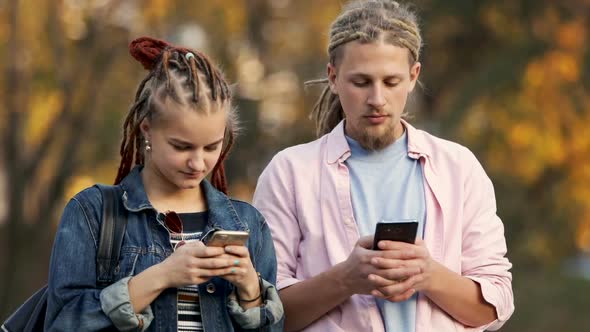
[{"x": 165, "y": 196}]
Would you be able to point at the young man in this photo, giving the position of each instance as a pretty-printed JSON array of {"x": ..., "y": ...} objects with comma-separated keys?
[{"x": 323, "y": 199}]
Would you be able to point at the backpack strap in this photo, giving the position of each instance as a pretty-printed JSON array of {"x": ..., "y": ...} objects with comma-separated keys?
[
  {"x": 30, "y": 316},
  {"x": 112, "y": 232}
]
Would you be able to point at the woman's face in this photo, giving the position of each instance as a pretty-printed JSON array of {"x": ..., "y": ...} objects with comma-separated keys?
[{"x": 185, "y": 145}]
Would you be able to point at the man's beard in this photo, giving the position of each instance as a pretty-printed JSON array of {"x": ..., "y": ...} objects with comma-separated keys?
[{"x": 372, "y": 141}]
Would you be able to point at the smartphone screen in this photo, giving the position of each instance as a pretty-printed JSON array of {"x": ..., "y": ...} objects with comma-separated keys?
[{"x": 395, "y": 230}]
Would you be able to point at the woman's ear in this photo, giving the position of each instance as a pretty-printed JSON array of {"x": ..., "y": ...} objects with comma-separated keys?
[{"x": 145, "y": 128}]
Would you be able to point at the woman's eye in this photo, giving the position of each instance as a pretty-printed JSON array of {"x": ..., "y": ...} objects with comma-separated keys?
[
  {"x": 181, "y": 147},
  {"x": 211, "y": 147}
]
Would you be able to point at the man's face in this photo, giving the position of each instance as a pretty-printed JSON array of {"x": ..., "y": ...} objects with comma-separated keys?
[{"x": 373, "y": 81}]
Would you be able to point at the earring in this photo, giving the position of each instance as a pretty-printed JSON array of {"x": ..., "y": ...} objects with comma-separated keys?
[{"x": 148, "y": 147}]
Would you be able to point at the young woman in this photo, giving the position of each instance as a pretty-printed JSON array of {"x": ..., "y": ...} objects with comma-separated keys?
[{"x": 178, "y": 131}]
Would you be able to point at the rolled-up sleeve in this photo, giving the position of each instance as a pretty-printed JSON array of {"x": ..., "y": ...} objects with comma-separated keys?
[
  {"x": 116, "y": 303},
  {"x": 270, "y": 313},
  {"x": 484, "y": 245},
  {"x": 274, "y": 198}
]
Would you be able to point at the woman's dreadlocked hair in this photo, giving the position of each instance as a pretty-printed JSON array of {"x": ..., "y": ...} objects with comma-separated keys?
[
  {"x": 365, "y": 21},
  {"x": 174, "y": 71}
]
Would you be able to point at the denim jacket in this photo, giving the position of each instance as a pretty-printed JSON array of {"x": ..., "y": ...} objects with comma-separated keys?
[{"x": 76, "y": 303}]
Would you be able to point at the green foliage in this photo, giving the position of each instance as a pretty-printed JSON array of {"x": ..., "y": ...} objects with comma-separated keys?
[{"x": 549, "y": 301}]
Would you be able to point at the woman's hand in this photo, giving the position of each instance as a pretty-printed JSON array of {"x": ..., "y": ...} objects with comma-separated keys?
[
  {"x": 194, "y": 263},
  {"x": 243, "y": 275}
]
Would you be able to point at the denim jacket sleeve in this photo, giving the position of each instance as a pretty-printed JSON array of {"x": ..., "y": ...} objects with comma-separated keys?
[
  {"x": 116, "y": 303},
  {"x": 75, "y": 302},
  {"x": 253, "y": 318},
  {"x": 269, "y": 316}
]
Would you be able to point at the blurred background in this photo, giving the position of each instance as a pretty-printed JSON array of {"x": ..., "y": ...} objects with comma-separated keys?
[{"x": 508, "y": 79}]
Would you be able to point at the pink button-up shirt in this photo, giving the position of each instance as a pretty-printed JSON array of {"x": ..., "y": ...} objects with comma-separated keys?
[{"x": 304, "y": 194}]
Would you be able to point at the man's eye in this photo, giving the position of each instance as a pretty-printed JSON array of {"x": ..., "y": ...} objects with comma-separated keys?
[
  {"x": 360, "y": 83},
  {"x": 391, "y": 84}
]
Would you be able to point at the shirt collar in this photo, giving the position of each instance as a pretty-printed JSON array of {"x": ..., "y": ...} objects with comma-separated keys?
[
  {"x": 417, "y": 145},
  {"x": 338, "y": 149}
]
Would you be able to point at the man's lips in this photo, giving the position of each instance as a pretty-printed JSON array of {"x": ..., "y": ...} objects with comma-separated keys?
[{"x": 376, "y": 118}]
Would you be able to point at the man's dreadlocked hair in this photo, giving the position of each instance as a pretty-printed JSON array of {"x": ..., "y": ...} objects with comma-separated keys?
[
  {"x": 189, "y": 79},
  {"x": 365, "y": 21}
]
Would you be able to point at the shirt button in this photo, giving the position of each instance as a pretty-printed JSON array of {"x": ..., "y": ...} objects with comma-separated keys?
[{"x": 210, "y": 288}]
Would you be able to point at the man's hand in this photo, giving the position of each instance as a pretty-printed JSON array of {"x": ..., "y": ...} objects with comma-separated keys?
[
  {"x": 355, "y": 270},
  {"x": 402, "y": 270}
]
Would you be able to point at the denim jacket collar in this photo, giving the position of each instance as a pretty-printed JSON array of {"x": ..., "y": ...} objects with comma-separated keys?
[
  {"x": 222, "y": 214},
  {"x": 134, "y": 196},
  {"x": 338, "y": 149}
]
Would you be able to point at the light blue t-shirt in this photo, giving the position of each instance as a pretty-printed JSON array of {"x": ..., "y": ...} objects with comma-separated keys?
[{"x": 387, "y": 185}]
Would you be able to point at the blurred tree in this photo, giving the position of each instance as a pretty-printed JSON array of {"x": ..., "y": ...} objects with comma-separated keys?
[
  {"x": 510, "y": 80},
  {"x": 59, "y": 58}
]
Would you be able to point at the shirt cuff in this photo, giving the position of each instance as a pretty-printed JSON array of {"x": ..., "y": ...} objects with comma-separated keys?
[
  {"x": 269, "y": 313},
  {"x": 286, "y": 282},
  {"x": 116, "y": 304},
  {"x": 490, "y": 294}
]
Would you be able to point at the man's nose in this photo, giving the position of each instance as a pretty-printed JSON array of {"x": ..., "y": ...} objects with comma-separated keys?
[{"x": 376, "y": 97}]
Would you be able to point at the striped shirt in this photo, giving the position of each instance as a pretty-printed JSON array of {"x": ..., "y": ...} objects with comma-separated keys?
[{"x": 189, "y": 308}]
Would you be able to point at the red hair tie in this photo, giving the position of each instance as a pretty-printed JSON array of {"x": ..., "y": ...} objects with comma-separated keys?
[{"x": 147, "y": 50}]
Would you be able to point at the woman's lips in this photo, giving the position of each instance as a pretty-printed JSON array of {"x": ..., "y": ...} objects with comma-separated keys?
[{"x": 192, "y": 175}]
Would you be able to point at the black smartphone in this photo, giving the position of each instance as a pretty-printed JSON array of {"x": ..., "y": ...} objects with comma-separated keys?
[{"x": 395, "y": 230}]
